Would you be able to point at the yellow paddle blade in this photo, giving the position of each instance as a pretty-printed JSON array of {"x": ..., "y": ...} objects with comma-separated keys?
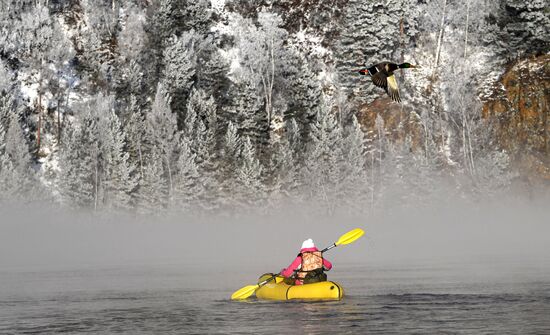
[
  {"x": 350, "y": 236},
  {"x": 244, "y": 292}
]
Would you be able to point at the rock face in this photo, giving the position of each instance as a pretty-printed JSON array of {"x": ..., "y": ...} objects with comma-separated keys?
[{"x": 520, "y": 113}]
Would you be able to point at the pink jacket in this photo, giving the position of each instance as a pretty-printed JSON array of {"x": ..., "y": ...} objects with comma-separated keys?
[{"x": 298, "y": 261}]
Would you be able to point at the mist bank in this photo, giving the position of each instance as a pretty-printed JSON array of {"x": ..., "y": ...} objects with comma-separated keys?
[{"x": 459, "y": 232}]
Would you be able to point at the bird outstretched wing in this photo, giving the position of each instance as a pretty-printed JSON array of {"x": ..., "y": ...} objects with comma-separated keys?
[
  {"x": 380, "y": 80},
  {"x": 392, "y": 89}
]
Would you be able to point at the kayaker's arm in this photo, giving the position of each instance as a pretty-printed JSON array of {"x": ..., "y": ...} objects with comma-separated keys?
[
  {"x": 326, "y": 264},
  {"x": 292, "y": 267}
]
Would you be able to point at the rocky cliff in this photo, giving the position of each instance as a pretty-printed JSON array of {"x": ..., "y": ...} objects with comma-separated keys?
[{"x": 520, "y": 113}]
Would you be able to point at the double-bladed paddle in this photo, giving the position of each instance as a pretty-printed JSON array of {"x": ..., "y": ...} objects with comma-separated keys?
[{"x": 347, "y": 238}]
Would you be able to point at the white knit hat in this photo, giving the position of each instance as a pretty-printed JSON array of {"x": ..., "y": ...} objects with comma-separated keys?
[{"x": 308, "y": 244}]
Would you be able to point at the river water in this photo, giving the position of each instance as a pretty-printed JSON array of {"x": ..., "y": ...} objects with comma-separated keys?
[{"x": 485, "y": 297}]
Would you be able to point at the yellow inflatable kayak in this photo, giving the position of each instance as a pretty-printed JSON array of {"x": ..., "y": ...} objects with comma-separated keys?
[{"x": 278, "y": 290}]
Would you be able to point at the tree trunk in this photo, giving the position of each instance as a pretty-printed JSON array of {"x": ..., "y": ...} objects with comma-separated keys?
[
  {"x": 170, "y": 190},
  {"x": 402, "y": 34},
  {"x": 467, "y": 23},
  {"x": 58, "y": 121},
  {"x": 96, "y": 183},
  {"x": 39, "y": 121},
  {"x": 271, "y": 84},
  {"x": 439, "y": 40}
]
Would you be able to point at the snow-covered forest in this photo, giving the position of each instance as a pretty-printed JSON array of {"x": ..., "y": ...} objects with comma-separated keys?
[{"x": 209, "y": 106}]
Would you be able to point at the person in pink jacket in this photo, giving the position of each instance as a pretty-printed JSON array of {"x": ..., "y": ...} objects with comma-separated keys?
[{"x": 308, "y": 266}]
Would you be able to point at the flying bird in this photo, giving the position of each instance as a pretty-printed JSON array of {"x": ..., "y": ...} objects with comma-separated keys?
[{"x": 382, "y": 76}]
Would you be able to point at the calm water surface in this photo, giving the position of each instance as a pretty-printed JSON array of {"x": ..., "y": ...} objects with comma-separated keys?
[{"x": 484, "y": 298}]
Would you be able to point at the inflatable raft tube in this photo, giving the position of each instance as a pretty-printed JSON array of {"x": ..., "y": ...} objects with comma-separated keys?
[{"x": 278, "y": 290}]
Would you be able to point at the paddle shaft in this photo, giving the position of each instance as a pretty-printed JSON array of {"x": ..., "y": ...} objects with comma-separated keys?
[{"x": 328, "y": 248}]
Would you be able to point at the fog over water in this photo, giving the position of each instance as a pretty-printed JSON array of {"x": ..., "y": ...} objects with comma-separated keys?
[
  {"x": 465, "y": 269},
  {"x": 512, "y": 231}
]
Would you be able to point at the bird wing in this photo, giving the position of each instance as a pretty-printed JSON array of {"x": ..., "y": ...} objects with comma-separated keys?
[
  {"x": 393, "y": 90},
  {"x": 380, "y": 80}
]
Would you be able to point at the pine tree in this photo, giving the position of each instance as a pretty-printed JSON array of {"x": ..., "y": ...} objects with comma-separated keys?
[
  {"x": 286, "y": 163},
  {"x": 136, "y": 135},
  {"x": 252, "y": 192},
  {"x": 174, "y": 17},
  {"x": 179, "y": 72},
  {"x": 187, "y": 186},
  {"x": 305, "y": 97},
  {"x": 162, "y": 125},
  {"x": 201, "y": 125},
  {"x": 526, "y": 27},
  {"x": 17, "y": 148},
  {"x": 79, "y": 160},
  {"x": 5, "y": 78},
  {"x": 134, "y": 60},
  {"x": 201, "y": 107},
  {"x": 197, "y": 15},
  {"x": 355, "y": 175},
  {"x": 152, "y": 192},
  {"x": 119, "y": 182},
  {"x": 10, "y": 182},
  {"x": 323, "y": 164},
  {"x": 211, "y": 72},
  {"x": 204, "y": 146},
  {"x": 245, "y": 113},
  {"x": 232, "y": 146}
]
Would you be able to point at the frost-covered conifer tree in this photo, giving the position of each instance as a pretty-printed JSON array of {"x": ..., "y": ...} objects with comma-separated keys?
[
  {"x": 323, "y": 164},
  {"x": 152, "y": 192},
  {"x": 187, "y": 186},
  {"x": 78, "y": 178},
  {"x": 136, "y": 134},
  {"x": 355, "y": 174},
  {"x": 173, "y": 17},
  {"x": 99, "y": 40},
  {"x": 201, "y": 127},
  {"x": 202, "y": 107},
  {"x": 305, "y": 97},
  {"x": 230, "y": 159},
  {"x": 164, "y": 134},
  {"x": 16, "y": 147},
  {"x": 252, "y": 191},
  {"x": 119, "y": 180},
  {"x": 526, "y": 26},
  {"x": 286, "y": 163},
  {"x": 211, "y": 71},
  {"x": 179, "y": 71},
  {"x": 247, "y": 115},
  {"x": 197, "y": 15},
  {"x": 204, "y": 145},
  {"x": 6, "y": 80},
  {"x": 8, "y": 184},
  {"x": 133, "y": 59},
  {"x": 15, "y": 163}
]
